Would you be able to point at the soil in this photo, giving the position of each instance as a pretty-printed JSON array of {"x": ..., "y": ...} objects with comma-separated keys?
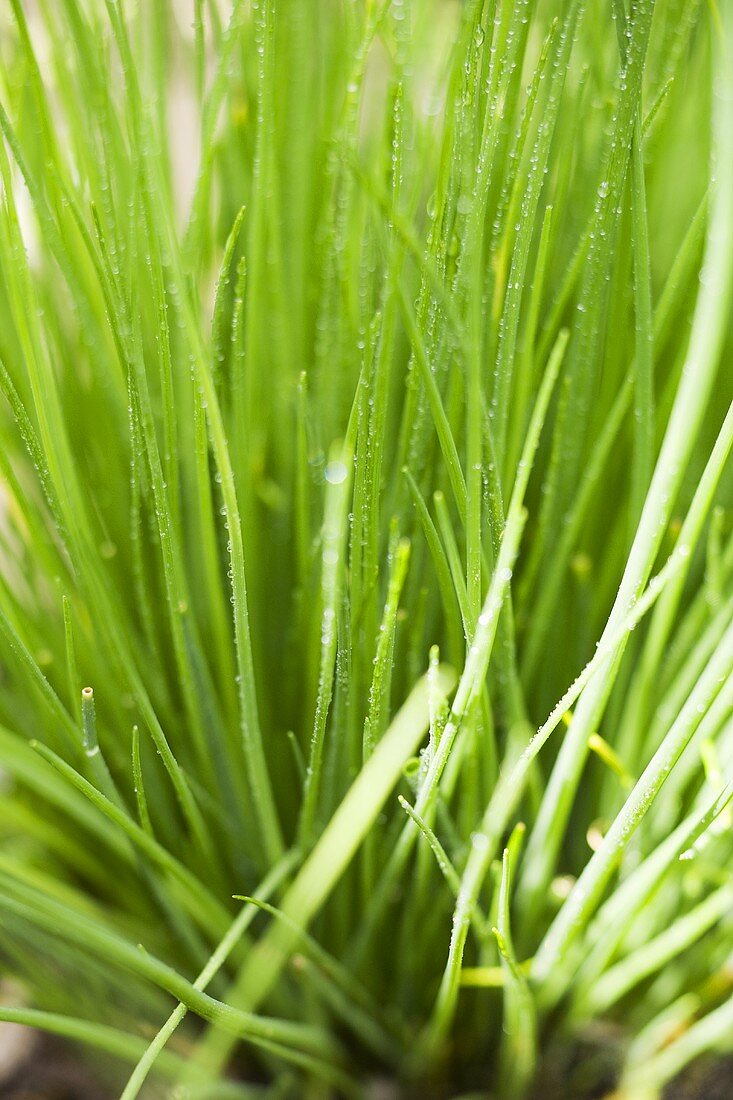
[
  {"x": 50, "y": 1071},
  {"x": 706, "y": 1079},
  {"x": 588, "y": 1069},
  {"x": 584, "y": 1070}
]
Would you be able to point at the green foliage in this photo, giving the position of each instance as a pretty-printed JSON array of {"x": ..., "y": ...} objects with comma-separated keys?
[{"x": 366, "y": 390}]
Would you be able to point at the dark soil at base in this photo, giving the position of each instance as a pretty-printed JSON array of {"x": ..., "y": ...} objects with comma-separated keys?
[
  {"x": 52, "y": 1071},
  {"x": 585, "y": 1070},
  {"x": 708, "y": 1079},
  {"x": 588, "y": 1069}
]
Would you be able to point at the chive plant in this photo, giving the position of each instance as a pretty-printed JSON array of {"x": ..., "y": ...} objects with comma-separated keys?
[{"x": 366, "y": 564}]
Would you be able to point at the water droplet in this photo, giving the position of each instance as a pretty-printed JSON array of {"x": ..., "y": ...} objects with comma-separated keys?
[{"x": 335, "y": 473}]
